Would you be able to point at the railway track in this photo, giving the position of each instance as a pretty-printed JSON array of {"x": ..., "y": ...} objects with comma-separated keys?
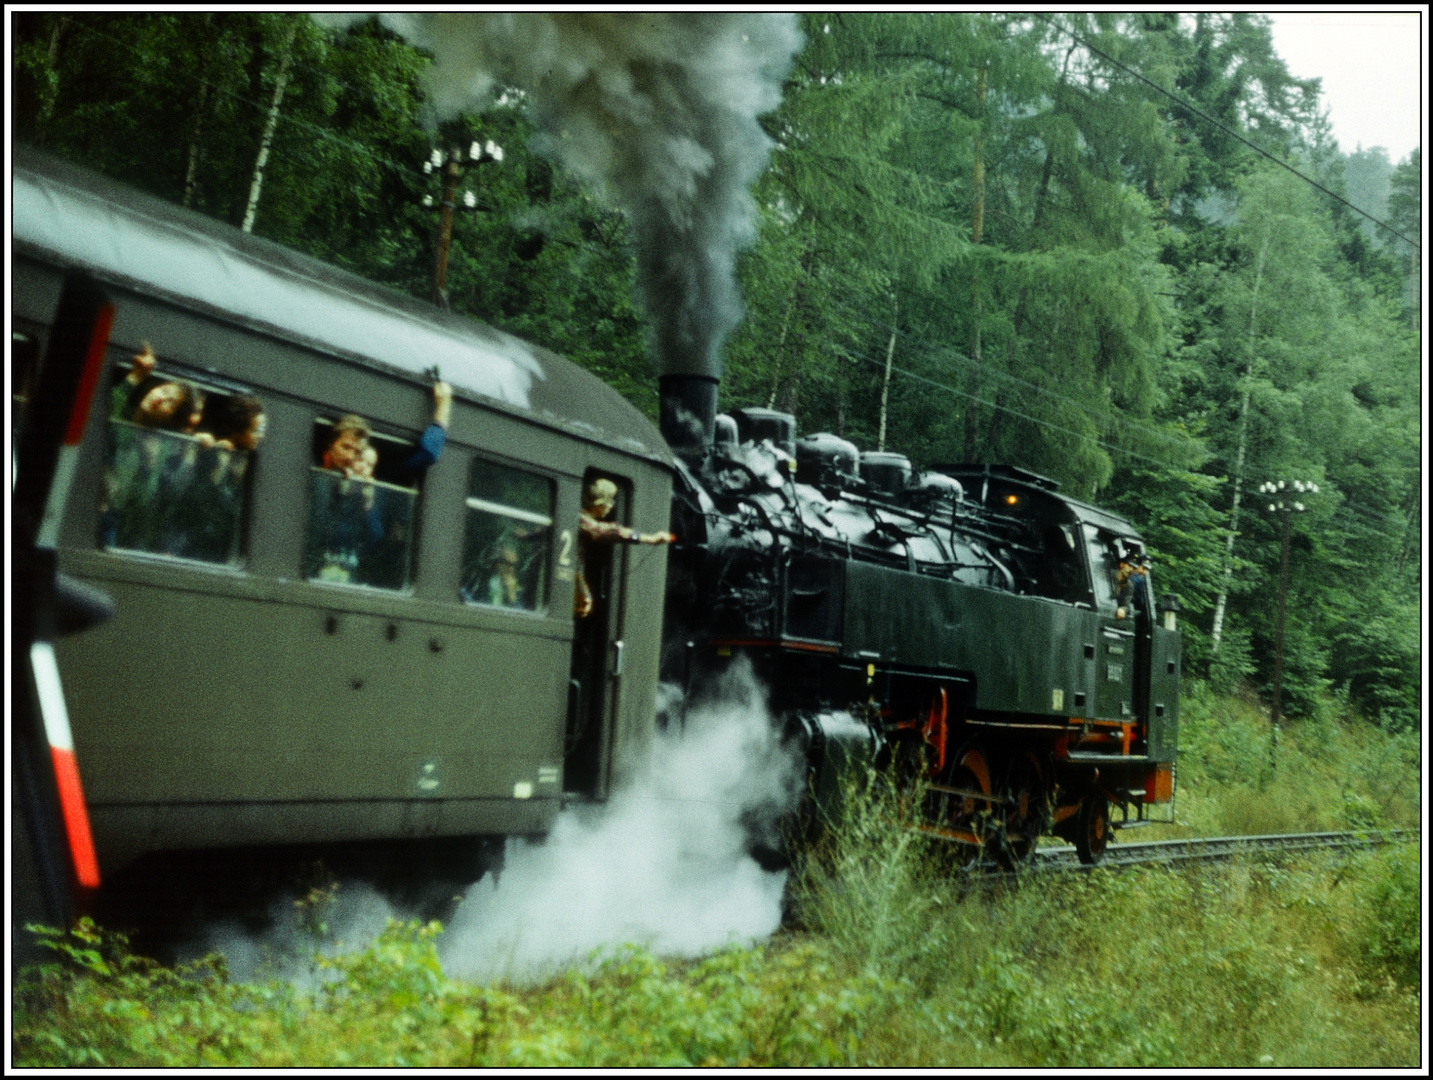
[{"x": 1217, "y": 849}]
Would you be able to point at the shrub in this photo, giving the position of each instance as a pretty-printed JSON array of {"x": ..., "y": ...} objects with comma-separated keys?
[{"x": 1387, "y": 935}]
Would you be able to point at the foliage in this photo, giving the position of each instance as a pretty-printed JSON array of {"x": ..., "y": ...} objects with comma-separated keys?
[
  {"x": 980, "y": 239},
  {"x": 1332, "y": 770},
  {"x": 1388, "y": 933}
]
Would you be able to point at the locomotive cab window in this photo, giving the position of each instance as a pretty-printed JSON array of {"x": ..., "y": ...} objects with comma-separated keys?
[
  {"x": 177, "y": 461},
  {"x": 509, "y": 538},
  {"x": 363, "y": 497},
  {"x": 1104, "y": 566}
]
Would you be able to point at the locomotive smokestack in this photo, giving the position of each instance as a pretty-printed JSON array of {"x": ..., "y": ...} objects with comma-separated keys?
[
  {"x": 688, "y": 418},
  {"x": 658, "y": 110}
]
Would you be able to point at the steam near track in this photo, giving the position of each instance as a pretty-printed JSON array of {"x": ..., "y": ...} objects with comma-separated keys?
[{"x": 662, "y": 864}]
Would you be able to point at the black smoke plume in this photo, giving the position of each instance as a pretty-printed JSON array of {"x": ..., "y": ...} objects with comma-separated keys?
[{"x": 658, "y": 110}]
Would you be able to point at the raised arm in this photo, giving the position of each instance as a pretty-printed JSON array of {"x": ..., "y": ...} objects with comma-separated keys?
[{"x": 442, "y": 404}]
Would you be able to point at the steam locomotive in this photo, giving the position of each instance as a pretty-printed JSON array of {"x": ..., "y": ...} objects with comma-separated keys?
[
  {"x": 967, "y": 625},
  {"x": 254, "y": 688}
]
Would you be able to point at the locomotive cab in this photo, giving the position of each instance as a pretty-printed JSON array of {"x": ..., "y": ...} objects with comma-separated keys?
[{"x": 975, "y": 620}]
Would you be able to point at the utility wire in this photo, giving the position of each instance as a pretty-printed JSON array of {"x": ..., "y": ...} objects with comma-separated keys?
[
  {"x": 881, "y": 364},
  {"x": 938, "y": 352},
  {"x": 1222, "y": 127},
  {"x": 941, "y": 351},
  {"x": 1350, "y": 513}
]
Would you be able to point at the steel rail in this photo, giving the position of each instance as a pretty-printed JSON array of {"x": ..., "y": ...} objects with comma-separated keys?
[{"x": 1219, "y": 849}]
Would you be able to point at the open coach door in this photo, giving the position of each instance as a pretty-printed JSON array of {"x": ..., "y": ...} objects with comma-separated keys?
[{"x": 597, "y": 644}]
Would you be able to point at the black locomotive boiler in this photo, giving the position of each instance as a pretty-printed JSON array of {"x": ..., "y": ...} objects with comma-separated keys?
[{"x": 260, "y": 686}]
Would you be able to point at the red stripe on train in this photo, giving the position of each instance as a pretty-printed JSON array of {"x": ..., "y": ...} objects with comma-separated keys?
[
  {"x": 89, "y": 375},
  {"x": 77, "y": 819}
]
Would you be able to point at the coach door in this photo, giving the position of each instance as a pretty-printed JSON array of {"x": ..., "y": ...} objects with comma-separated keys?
[{"x": 597, "y": 647}]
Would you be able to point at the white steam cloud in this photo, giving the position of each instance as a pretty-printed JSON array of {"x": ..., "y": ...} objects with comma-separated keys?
[
  {"x": 663, "y": 864},
  {"x": 289, "y": 948},
  {"x": 658, "y": 110}
]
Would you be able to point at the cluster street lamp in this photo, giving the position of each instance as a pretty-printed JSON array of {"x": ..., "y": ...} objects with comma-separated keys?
[
  {"x": 1282, "y": 501},
  {"x": 476, "y": 154}
]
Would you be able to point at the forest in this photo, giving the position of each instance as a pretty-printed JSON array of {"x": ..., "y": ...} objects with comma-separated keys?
[{"x": 1068, "y": 242}]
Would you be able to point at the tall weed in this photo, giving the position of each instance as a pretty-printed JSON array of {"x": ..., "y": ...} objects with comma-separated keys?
[{"x": 870, "y": 885}]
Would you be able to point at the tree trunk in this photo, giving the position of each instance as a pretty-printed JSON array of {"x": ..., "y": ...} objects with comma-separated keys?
[
  {"x": 196, "y": 134},
  {"x": 977, "y": 233},
  {"x": 280, "y": 85},
  {"x": 1038, "y": 219},
  {"x": 886, "y": 381},
  {"x": 807, "y": 257},
  {"x": 1218, "y": 630},
  {"x": 781, "y": 344},
  {"x": 51, "y": 89}
]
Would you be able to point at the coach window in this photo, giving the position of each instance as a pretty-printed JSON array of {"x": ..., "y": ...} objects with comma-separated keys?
[
  {"x": 363, "y": 496},
  {"x": 509, "y": 538},
  {"x": 177, "y": 462}
]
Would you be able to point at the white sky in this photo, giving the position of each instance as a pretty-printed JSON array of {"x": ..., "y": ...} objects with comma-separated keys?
[{"x": 1373, "y": 68}]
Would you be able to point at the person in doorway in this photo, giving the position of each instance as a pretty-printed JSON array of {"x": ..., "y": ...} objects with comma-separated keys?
[{"x": 598, "y": 502}]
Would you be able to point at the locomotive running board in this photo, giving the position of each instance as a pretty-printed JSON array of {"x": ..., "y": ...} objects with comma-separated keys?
[
  {"x": 965, "y": 793},
  {"x": 960, "y": 836}
]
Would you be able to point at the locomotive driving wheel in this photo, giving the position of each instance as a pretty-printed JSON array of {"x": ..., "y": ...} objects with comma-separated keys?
[
  {"x": 969, "y": 772},
  {"x": 1025, "y": 811},
  {"x": 1092, "y": 828}
]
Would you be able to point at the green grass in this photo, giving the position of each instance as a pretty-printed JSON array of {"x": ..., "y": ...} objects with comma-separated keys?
[
  {"x": 1329, "y": 772},
  {"x": 1313, "y": 963}
]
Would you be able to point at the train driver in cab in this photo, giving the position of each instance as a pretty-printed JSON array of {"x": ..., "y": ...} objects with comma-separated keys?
[{"x": 1132, "y": 585}]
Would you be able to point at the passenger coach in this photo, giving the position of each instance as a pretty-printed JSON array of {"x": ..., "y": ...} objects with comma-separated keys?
[{"x": 262, "y": 683}]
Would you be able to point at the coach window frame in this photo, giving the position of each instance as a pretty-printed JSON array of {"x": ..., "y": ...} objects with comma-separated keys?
[
  {"x": 556, "y": 548},
  {"x": 238, "y": 543},
  {"x": 339, "y": 570}
]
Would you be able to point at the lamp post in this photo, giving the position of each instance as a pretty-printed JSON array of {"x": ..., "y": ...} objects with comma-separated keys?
[
  {"x": 1282, "y": 502},
  {"x": 452, "y": 173}
]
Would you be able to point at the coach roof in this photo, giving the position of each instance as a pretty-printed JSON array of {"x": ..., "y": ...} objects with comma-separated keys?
[{"x": 84, "y": 220}]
